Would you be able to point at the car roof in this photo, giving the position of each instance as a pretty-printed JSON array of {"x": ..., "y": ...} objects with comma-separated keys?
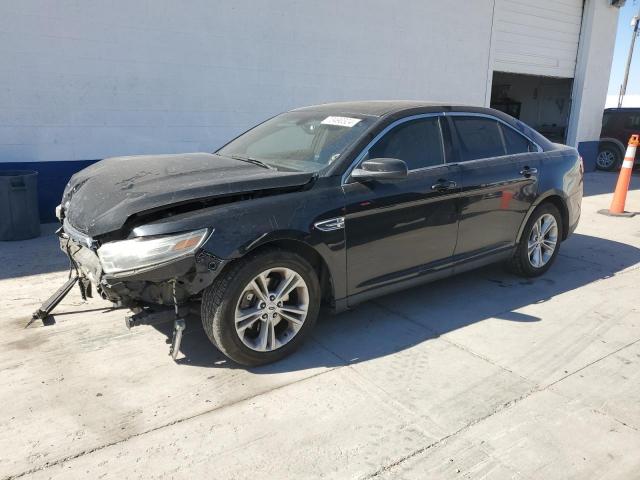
[
  {"x": 379, "y": 108},
  {"x": 622, "y": 110}
]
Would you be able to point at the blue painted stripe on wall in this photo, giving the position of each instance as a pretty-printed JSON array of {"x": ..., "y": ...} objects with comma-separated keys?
[
  {"x": 589, "y": 152},
  {"x": 52, "y": 178}
]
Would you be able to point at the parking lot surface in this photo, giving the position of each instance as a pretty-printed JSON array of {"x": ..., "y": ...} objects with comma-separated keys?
[{"x": 484, "y": 375}]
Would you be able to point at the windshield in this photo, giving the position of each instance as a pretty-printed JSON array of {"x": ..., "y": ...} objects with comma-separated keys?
[{"x": 299, "y": 141}]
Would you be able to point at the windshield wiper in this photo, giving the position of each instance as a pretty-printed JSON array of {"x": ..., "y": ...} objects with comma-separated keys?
[{"x": 253, "y": 161}]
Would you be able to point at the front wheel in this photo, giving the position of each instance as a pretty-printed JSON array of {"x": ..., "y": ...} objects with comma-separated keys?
[
  {"x": 262, "y": 307},
  {"x": 540, "y": 242}
]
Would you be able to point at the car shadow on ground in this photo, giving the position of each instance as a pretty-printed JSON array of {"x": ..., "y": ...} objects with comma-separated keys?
[{"x": 399, "y": 321}]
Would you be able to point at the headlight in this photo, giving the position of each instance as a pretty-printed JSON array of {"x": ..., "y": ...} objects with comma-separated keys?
[{"x": 147, "y": 251}]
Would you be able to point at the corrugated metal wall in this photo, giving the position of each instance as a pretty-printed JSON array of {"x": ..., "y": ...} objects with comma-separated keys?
[{"x": 537, "y": 38}]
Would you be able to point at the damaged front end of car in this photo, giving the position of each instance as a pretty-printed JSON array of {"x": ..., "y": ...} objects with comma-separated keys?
[
  {"x": 142, "y": 270},
  {"x": 132, "y": 231},
  {"x": 159, "y": 278}
]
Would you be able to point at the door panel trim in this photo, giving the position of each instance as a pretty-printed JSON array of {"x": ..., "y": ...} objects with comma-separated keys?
[{"x": 426, "y": 276}]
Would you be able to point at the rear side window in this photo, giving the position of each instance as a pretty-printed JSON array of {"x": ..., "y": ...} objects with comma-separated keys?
[
  {"x": 417, "y": 142},
  {"x": 514, "y": 142},
  {"x": 479, "y": 138}
]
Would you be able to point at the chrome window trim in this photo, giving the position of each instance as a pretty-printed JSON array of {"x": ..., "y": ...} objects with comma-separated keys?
[
  {"x": 358, "y": 160},
  {"x": 491, "y": 117},
  {"x": 365, "y": 150}
]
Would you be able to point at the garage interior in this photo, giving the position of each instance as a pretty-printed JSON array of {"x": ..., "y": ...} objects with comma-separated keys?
[{"x": 541, "y": 102}]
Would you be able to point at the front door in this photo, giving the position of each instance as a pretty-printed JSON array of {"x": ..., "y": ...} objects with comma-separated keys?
[{"x": 396, "y": 230}]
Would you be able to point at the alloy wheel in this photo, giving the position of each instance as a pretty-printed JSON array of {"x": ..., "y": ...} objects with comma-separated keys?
[
  {"x": 542, "y": 240},
  {"x": 272, "y": 309},
  {"x": 606, "y": 159}
]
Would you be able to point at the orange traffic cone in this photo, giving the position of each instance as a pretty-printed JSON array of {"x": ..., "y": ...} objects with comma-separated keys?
[{"x": 620, "y": 195}]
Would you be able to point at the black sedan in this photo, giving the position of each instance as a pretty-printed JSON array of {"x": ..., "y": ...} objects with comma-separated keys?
[{"x": 332, "y": 204}]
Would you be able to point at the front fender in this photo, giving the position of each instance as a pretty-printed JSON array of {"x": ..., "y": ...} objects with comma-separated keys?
[
  {"x": 240, "y": 227},
  {"x": 330, "y": 246}
]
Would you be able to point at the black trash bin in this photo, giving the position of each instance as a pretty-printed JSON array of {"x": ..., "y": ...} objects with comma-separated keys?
[{"x": 19, "y": 216}]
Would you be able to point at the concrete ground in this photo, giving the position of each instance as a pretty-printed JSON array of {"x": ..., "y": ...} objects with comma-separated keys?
[{"x": 484, "y": 375}]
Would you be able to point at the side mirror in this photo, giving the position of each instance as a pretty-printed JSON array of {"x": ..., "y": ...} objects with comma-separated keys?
[{"x": 380, "y": 169}]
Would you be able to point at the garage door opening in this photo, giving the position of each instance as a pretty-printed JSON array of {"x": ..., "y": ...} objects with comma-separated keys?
[{"x": 541, "y": 102}]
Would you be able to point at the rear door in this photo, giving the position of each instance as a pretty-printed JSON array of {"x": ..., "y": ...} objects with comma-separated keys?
[
  {"x": 499, "y": 168},
  {"x": 400, "y": 229}
]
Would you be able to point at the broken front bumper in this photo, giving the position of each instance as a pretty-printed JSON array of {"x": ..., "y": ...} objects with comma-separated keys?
[{"x": 150, "y": 285}]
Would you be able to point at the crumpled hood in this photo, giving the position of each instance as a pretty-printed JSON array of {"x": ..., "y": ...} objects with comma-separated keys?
[{"x": 100, "y": 198}]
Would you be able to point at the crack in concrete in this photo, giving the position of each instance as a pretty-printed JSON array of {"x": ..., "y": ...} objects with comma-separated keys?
[
  {"x": 349, "y": 365},
  {"x": 608, "y": 415},
  {"x": 61, "y": 461},
  {"x": 395, "y": 463},
  {"x": 447, "y": 340},
  {"x": 499, "y": 409},
  {"x": 384, "y": 468},
  {"x": 593, "y": 363},
  {"x": 346, "y": 363}
]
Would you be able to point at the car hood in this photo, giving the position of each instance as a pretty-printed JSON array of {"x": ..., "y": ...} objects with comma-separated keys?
[{"x": 100, "y": 198}]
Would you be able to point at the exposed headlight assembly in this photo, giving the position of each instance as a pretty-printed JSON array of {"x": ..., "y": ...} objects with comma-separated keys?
[{"x": 137, "y": 253}]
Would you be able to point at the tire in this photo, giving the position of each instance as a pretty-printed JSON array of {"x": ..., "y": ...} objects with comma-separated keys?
[
  {"x": 609, "y": 157},
  {"x": 221, "y": 302},
  {"x": 523, "y": 263}
]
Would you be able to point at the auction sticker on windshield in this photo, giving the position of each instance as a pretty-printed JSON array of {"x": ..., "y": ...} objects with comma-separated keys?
[{"x": 341, "y": 121}]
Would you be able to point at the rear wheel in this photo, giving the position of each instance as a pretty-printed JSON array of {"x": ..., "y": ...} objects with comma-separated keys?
[
  {"x": 262, "y": 308},
  {"x": 608, "y": 158},
  {"x": 540, "y": 242}
]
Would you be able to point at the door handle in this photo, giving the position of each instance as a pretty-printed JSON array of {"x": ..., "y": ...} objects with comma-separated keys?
[
  {"x": 527, "y": 172},
  {"x": 444, "y": 185}
]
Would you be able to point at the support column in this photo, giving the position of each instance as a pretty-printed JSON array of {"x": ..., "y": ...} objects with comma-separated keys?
[{"x": 593, "y": 68}]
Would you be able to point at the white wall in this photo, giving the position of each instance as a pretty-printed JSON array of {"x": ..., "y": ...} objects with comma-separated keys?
[{"x": 91, "y": 79}]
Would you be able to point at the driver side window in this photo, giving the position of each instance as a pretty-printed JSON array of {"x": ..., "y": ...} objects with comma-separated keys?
[{"x": 417, "y": 142}]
